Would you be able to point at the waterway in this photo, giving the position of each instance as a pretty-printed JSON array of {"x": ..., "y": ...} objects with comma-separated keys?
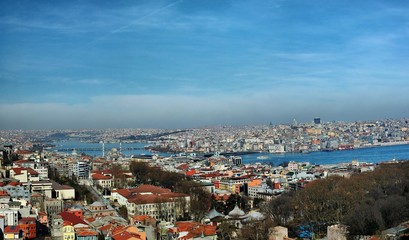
[{"x": 370, "y": 155}]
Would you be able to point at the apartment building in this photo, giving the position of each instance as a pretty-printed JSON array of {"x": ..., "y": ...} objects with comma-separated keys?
[{"x": 159, "y": 203}]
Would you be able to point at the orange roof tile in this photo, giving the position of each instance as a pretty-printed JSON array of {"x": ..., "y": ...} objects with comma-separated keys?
[
  {"x": 98, "y": 176},
  {"x": 3, "y": 193},
  {"x": 126, "y": 236},
  {"x": 23, "y": 152},
  {"x": 195, "y": 229},
  {"x": 12, "y": 229},
  {"x": 86, "y": 233}
]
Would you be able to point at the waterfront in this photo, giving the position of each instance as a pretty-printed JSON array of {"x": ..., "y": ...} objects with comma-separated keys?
[{"x": 373, "y": 155}]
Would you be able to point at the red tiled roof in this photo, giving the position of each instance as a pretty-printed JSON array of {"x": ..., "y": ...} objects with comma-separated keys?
[
  {"x": 195, "y": 229},
  {"x": 183, "y": 167},
  {"x": 67, "y": 223},
  {"x": 13, "y": 184},
  {"x": 155, "y": 198},
  {"x": 18, "y": 170},
  {"x": 142, "y": 218},
  {"x": 97, "y": 176},
  {"x": 118, "y": 229},
  {"x": 125, "y": 236},
  {"x": 12, "y": 229},
  {"x": 86, "y": 233},
  {"x": 148, "y": 194},
  {"x": 22, "y": 161},
  {"x": 90, "y": 219},
  {"x": 32, "y": 171},
  {"x": 23, "y": 152},
  {"x": 3, "y": 193},
  {"x": 70, "y": 217},
  {"x": 105, "y": 227},
  {"x": 190, "y": 173}
]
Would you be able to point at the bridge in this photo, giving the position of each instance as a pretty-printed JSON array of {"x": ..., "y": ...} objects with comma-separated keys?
[{"x": 87, "y": 149}]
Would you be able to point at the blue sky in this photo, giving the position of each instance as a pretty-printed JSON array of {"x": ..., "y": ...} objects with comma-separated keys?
[{"x": 193, "y": 63}]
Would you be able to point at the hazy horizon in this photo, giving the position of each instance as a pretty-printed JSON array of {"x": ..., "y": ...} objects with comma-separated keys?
[{"x": 188, "y": 64}]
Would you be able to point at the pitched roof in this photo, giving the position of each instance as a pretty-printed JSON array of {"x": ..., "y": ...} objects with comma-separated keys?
[
  {"x": 13, "y": 184},
  {"x": 12, "y": 229},
  {"x": 18, "y": 170},
  {"x": 195, "y": 229},
  {"x": 23, "y": 152},
  {"x": 142, "y": 218},
  {"x": 98, "y": 176},
  {"x": 22, "y": 161},
  {"x": 70, "y": 217},
  {"x": 126, "y": 236},
  {"x": 3, "y": 193},
  {"x": 86, "y": 233},
  {"x": 148, "y": 194}
]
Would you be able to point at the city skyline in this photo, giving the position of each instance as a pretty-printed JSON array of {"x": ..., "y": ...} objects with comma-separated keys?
[{"x": 183, "y": 64}]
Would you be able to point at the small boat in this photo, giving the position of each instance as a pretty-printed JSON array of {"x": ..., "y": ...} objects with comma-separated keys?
[{"x": 262, "y": 157}]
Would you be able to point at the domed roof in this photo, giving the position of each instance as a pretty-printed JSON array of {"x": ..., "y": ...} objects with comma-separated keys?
[
  {"x": 214, "y": 213},
  {"x": 254, "y": 216},
  {"x": 97, "y": 204},
  {"x": 236, "y": 212}
]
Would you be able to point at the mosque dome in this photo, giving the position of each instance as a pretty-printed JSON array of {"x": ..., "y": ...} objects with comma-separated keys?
[
  {"x": 214, "y": 214},
  {"x": 254, "y": 216},
  {"x": 236, "y": 213}
]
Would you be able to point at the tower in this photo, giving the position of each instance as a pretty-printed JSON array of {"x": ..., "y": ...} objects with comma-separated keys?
[
  {"x": 103, "y": 149},
  {"x": 120, "y": 148}
]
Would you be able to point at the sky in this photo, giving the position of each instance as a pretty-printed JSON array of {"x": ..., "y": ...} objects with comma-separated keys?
[{"x": 195, "y": 63}]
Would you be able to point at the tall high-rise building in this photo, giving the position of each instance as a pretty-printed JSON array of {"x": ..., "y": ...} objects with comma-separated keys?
[{"x": 317, "y": 120}]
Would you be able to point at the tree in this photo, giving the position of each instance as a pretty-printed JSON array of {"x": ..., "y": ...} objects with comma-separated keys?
[
  {"x": 226, "y": 231},
  {"x": 140, "y": 171},
  {"x": 218, "y": 205},
  {"x": 101, "y": 236},
  {"x": 258, "y": 230},
  {"x": 118, "y": 175},
  {"x": 200, "y": 199},
  {"x": 280, "y": 210},
  {"x": 123, "y": 211},
  {"x": 231, "y": 203},
  {"x": 270, "y": 183}
]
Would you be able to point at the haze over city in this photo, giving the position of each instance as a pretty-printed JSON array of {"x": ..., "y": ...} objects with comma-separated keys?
[{"x": 180, "y": 64}]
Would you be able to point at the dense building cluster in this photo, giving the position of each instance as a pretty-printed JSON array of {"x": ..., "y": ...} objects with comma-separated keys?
[{"x": 76, "y": 196}]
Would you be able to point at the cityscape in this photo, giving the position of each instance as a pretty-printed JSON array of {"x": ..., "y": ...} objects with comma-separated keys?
[
  {"x": 204, "y": 120},
  {"x": 184, "y": 184}
]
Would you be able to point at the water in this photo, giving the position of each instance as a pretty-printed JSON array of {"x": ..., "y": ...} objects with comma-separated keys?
[
  {"x": 373, "y": 155},
  {"x": 370, "y": 155},
  {"x": 108, "y": 147}
]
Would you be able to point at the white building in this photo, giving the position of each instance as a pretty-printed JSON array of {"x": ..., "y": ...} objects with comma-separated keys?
[
  {"x": 24, "y": 175},
  {"x": 292, "y": 166},
  {"x": 159, "y": 203},
  {"x": 10, "y": 216},
  {"x": 81, "y": 169}
]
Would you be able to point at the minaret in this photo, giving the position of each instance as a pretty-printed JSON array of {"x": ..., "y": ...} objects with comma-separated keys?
[
  {"x": 103, "y": 149},
  {"x": 120, "y": 148}
]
